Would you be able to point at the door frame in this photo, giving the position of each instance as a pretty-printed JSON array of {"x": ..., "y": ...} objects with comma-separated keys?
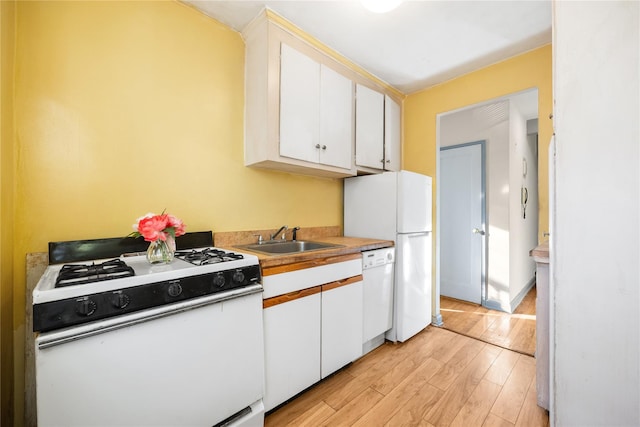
[
  {"x": 436, "y": 316},
  {"x": 483, "y": 213}
]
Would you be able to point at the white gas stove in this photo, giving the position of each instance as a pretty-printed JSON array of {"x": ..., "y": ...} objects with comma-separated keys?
[{"x": 120, "y": 341}]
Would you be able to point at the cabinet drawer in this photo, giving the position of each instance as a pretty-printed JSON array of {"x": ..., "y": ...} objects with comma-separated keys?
[{"x": 291, "y": 281}]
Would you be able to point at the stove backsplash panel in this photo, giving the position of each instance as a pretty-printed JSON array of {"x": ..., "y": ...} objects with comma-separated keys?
[{"x": 87, "y": 250}]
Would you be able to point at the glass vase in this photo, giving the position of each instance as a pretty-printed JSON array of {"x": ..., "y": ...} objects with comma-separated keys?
[{"x": 161, "y": 251}]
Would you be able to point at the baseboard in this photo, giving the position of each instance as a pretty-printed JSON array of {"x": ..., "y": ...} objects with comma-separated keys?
[
  {"x": 497, "y": 305},
  {"x": 514, "y": 303},
  {"x": 436, "y": 320},
  {"x": 373, "y": 344}
]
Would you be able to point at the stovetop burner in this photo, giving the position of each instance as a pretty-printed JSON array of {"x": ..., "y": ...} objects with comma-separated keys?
[
  {"x": 207, "y": 256},
  {"x": 195, "y": 272},
  {"x": 77, "y": 274}
]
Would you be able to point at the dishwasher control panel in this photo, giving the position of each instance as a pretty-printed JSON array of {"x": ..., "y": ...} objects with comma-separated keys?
[{"x": 378, "y": 257}]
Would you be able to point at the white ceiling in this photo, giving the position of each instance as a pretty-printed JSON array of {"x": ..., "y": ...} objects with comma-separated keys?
[{"x": 417, "y": 45}]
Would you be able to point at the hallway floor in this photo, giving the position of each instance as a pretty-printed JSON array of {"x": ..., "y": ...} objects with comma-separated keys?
[{"x": 515, "y": 331}]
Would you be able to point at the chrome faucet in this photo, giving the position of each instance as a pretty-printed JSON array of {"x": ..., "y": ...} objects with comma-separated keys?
[{"x": 283, "y": 228}]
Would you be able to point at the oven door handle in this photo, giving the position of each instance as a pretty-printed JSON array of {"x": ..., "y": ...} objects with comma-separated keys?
[{"x": 51, "y": 339}]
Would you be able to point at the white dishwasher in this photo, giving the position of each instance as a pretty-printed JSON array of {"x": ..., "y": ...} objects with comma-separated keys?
[{"x": 378, "y": 282}]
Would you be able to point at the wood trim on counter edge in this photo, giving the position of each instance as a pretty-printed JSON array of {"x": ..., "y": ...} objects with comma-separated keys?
[
  {"x": 317, "y": 262},
  {"x": 340, "y": 283},
  {"x": 292, "y": 296}
]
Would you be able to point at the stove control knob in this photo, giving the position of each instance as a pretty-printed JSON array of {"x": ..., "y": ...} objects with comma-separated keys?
[
  {"x": 174, "y": 289},
  {"x": 120, "y": 300},
  {"x": 86, "y": 307},
  {"x": 238, "y": 276},
  {"x": 218, "y": 280}
]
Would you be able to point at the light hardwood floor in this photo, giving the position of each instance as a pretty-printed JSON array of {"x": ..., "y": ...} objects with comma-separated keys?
[
  {"x": 437, "y": 378},
  {"x": 515, "y": 331}
]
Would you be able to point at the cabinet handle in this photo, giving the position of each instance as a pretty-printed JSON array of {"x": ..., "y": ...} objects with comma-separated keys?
[
  {"x": 317, "y": 145},
  {"x": 291, "y": 296},
  {"x": 324, "y": 147},
  {"x": 340, "y": 283},
  {"x": 388, "y": 161},
  {"x": 382, "y": 161}
]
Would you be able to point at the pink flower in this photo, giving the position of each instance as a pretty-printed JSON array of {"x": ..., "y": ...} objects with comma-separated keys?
[
  {"x": 178, "y": 225},
  {"x": 153, "y": 227}
]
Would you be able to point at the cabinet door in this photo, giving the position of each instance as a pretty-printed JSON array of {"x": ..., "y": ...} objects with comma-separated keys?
[
  {"x": 392, "y": 134},
  {"x": 336, "y": 119},
  {"x": 299, "y": 105},
  {"x": 369, "y": 127},
  {"x": 292, "y": 348},
  {"x": 341, "y": 326}
]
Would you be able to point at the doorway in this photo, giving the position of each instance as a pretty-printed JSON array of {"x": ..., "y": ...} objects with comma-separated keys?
[
  {"x": 462, "y": 223},
  {"x": 510, "y": 166}
]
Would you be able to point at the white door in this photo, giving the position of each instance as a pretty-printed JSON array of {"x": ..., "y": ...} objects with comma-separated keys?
[
  {"x": 299, "y": 105},
  {"x": 341, "y": 326},
  {"x": 413, "y": 285},
  {"x": 336, "y": 119},
  {"x": 392, "y": 134},
  {"x": 462, "y": 222},
  {"x": 168, "y": 365},
  {"x": 414, "y": 202},
  {"x": 369, "y": 127},
  {"x": 292, "y": 348}
]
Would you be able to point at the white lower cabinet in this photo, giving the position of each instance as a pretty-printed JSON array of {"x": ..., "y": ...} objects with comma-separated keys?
[
  {"x": 292, "y": 348},
  {"x": 312, "y": 324},
  {"x": 341, "y": 326}
]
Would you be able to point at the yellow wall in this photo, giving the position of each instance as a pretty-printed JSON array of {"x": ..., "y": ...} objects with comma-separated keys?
[
  {"x": 7, "y": 169},
  {"x": 122, "y": 108},
  {"x": 128, "y": 107},
  {"x": 526, "y": 71}
]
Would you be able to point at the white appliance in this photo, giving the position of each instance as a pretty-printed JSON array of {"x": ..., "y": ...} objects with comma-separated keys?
[
  {"x": 397, "y": 206},
  {"x": 123, "y": 342},
  {"x": 377, "y": 290}
]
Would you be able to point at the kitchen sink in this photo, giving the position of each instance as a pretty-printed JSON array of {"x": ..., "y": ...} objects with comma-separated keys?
[{"x": 287, "y": 247}]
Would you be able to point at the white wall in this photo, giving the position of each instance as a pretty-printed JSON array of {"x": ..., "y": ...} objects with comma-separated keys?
[
  {"x": 523, "y": 231},
  {"x": 595, "y": 240}
]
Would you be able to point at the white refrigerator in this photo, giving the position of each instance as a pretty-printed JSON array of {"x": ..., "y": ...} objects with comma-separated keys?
[{"x": 397, "y": 206}]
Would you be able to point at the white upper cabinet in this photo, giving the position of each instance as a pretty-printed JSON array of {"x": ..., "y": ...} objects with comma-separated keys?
[
  {"x": 336, "y": 119},
  {"x": 316, "y": 111},
  {"x": 310, "y": 111},
  {"x": 299, "y": 105},
  {"x": 392, "y": 133},
  {"x": 369, "y": 128},
  {"x": 377, "y": 131}
]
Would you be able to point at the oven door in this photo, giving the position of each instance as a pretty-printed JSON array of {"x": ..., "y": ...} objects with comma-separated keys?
[{"x": 195, "y": 363}]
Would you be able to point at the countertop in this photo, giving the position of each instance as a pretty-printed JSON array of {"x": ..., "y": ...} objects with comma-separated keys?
[
  {"x": 541, "y": 252},
  {"x": 349, "y": 245}
]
